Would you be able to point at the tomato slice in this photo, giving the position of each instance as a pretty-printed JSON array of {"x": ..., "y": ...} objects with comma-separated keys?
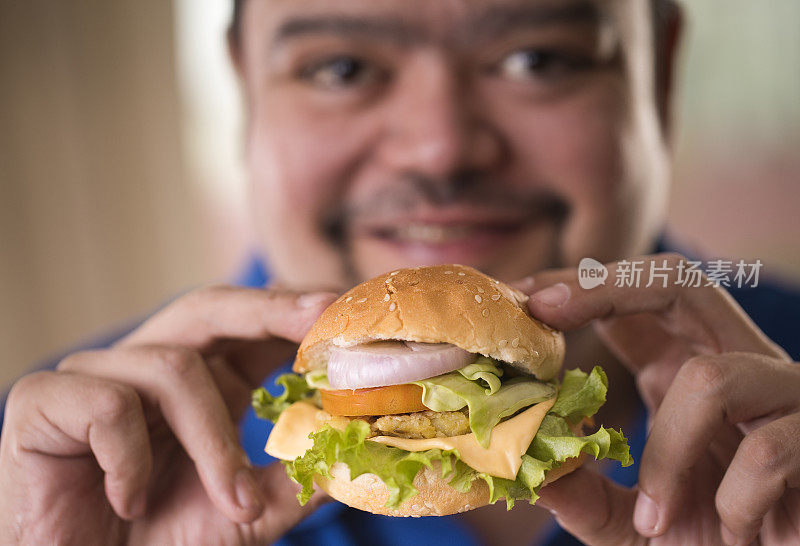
[{"x": 374, "y": 401}]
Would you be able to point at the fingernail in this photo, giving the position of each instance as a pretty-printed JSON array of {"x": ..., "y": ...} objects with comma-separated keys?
[
  {"x": 526, "y": 284},
  {"x": 306, "y": 301},
  {"x": 645, "y": 515},
  {"x": 554, "y": 296},
  {"x": 727, "y": 535},
  {"x": 246, "y": 492}
]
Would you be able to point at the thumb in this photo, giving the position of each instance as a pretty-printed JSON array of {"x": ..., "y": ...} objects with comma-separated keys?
[
  {"x": 282, "y": 510},
  {"x": 592, "y": 508}
]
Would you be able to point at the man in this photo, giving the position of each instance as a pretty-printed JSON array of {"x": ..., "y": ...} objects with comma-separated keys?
[{"x": 514, "y": 136}]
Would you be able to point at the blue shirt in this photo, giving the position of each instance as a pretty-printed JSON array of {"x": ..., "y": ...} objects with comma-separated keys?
[{"x": 775, "y": 308}]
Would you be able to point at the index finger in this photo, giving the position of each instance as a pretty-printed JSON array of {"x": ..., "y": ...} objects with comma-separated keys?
[
  {"x": 222, "y": 312},
  {"x": 705, "y": 314}
]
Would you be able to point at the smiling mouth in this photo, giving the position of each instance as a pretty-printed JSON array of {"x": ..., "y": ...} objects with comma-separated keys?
[{"x": 455, "y": 232}]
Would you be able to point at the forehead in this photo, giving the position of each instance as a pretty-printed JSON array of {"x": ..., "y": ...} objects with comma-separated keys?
[{"x": 419, "y": 20}]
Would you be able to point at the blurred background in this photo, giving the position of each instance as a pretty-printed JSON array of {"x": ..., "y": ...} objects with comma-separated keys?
[{"x": 121, "y": 184}]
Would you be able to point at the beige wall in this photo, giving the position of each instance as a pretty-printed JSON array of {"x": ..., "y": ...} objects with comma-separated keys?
[
  {"x": 737, "y": 166},
  {"x": 97, "y": 220}
]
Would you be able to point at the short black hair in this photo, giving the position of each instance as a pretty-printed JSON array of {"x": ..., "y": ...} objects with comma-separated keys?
[
  {"x": 660, "y": 11},
  {"x": 235, "y": 30}
]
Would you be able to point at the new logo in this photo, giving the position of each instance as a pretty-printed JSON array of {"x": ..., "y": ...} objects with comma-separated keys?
[{"x": 591, "y": 273}]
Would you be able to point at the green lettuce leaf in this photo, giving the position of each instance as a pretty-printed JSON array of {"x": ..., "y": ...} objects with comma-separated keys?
[
  {"x": 270, "y": 407},
  {"x": 395, "y": 467},
  {"x": 581, "y": 394},
  {"x": 453, "y": 391},
  {"x": 555, "y": 441},
  {"x": 486, "y": 370}
]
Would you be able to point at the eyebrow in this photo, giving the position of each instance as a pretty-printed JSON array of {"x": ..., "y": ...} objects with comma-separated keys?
[
  {"x": 494, "y": 21},
  {"x": 499, "y": 20},
  {"x": 383, "y": 28}
]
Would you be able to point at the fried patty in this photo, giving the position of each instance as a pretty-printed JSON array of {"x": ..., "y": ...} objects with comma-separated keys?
[{"x": 423, "y": 424}]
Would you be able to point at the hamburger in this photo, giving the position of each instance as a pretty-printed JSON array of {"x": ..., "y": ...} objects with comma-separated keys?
[{"x": 431, "y": 391}]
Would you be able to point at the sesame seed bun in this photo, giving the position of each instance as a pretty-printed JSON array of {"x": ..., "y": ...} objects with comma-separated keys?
[
  {"x": 435, "y": 498},
  {"x": 439, "y": 304}
]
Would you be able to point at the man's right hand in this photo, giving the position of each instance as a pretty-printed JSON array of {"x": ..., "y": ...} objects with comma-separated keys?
[{"x": 137, "y": 443}]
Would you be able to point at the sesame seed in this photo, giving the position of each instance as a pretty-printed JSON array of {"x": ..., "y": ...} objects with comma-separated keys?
[
  {"x": 478, "y": 298},
  {"x": 496, "y": 281},
  {"x": 515, "y": 342},
  {"x": 496, "y": 297},
  {"x": 448, "y": 272},
  {"x": 461, "y": 273},
  {"x": 393, "y": 273},
  {"x": 362, "y": 300},
  {"x": 349, "y": 299},
  {"x": 393, "y": 306},
  {"x": 485, "y": 313},
  {"x": 386, "y": 297}
]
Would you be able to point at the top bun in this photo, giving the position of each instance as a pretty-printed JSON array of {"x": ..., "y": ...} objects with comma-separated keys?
[{"x": 439, "y": 304}]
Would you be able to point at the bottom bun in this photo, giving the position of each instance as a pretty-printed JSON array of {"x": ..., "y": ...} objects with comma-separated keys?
[{"x": 435, "y": 498}]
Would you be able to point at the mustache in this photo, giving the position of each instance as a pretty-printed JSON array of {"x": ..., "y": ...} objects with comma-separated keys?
[{"x": 475, "y": 191}]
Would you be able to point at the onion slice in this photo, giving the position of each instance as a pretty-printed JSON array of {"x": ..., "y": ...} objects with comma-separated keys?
[{"x": 384, "y": 363}]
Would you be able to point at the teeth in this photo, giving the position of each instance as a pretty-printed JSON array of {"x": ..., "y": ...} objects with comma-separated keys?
[{"x": 431, "y": 233}]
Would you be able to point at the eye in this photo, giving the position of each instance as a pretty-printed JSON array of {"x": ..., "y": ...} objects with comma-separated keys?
[
  {"x": 340, "y": 72},
  {"x": 528, "y": 64}
]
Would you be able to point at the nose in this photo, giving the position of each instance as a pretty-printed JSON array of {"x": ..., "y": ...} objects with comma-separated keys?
[{"x": 435, "y": 126}]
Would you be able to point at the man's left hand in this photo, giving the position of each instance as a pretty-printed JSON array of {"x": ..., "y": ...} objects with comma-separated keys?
[{"x": 722, "y": 460}]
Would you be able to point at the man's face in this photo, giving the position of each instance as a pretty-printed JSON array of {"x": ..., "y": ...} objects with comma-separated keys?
[{"x": 510, "y": 135}]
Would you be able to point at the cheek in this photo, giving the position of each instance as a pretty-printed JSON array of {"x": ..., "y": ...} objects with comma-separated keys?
[
  {"x": 295, "y": 161},
  {"x": 300, "y": 162},
  {"x": 575, "y": 147},
  {"x": 576, "y": 144},
  {"x": 308, "y": 149}
]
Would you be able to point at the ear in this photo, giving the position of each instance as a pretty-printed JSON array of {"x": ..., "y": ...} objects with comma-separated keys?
[{"x": 667, "y": 41}]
